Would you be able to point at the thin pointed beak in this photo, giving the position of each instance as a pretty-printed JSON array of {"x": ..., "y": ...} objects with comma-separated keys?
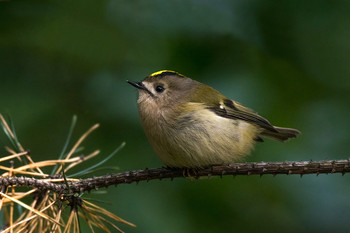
[{"x": 138, "y": 85}]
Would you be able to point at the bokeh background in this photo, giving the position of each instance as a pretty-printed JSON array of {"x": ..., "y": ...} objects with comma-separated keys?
[{"x": 288, "y": 60}]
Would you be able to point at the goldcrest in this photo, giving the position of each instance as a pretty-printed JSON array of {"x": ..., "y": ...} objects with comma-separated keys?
[{"x": 191, "y": 125}]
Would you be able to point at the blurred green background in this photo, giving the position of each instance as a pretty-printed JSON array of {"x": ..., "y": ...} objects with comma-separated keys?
[{"x": 288, "y": 60}]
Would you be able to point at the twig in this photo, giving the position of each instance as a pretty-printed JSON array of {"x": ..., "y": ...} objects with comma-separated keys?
[{"x": 258, "y": 168}]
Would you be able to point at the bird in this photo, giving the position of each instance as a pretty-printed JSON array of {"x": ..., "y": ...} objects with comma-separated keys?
[{"x": 191, "y": 125}]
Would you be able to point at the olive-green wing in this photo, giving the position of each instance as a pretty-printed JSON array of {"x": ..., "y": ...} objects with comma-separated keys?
[{"x": 234, "y": 110}]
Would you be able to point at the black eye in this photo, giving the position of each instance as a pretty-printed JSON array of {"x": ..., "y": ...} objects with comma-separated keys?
[{"x": 160, "y": 89}]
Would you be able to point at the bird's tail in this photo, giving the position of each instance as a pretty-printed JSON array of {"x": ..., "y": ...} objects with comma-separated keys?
[{"x": 281, "y": 134}]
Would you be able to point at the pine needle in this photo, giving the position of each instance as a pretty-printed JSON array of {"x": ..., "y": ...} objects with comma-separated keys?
[
  {"x": 98, "y": 209},
  {"x": 101, "y": 162},
  {"x": 81, "y": 139},
  {"x": 72, "y": 126},
  {"x": 29, "y": 208},
  {"x": 19, "y": 195},
  {"x": 13, "y": 156},
  {"x": 44, "y": 213},
  {"x": 93, "y": 154}
]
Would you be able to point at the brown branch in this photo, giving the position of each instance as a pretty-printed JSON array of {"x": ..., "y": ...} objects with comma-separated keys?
[{"x": 255, "y": 168}]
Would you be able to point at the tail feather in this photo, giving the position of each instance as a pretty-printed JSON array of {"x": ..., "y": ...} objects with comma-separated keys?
[{"x": 282, "y": 134}]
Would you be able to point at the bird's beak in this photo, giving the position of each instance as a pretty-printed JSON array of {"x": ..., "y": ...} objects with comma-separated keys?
[{"x": 139, "y": 85}]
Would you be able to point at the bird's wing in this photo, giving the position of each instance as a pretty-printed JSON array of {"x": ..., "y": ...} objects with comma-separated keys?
[{"x": 234, "y": 110}]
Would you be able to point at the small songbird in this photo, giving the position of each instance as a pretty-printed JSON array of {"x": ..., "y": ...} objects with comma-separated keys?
[{"x": 191, "y": 125}]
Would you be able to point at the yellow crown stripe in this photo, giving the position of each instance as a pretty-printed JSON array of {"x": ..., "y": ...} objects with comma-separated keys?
[{"x": 165, "y": 71}]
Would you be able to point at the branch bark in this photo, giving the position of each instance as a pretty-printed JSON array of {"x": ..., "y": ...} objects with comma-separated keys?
[{"x": 254, "y": 168}]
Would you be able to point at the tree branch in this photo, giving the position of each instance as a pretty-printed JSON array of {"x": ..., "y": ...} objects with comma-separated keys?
[{"x": 254, "y": 168}]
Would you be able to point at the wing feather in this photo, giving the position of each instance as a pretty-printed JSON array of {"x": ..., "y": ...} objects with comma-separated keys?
[{"x": 234, "y": 110}]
